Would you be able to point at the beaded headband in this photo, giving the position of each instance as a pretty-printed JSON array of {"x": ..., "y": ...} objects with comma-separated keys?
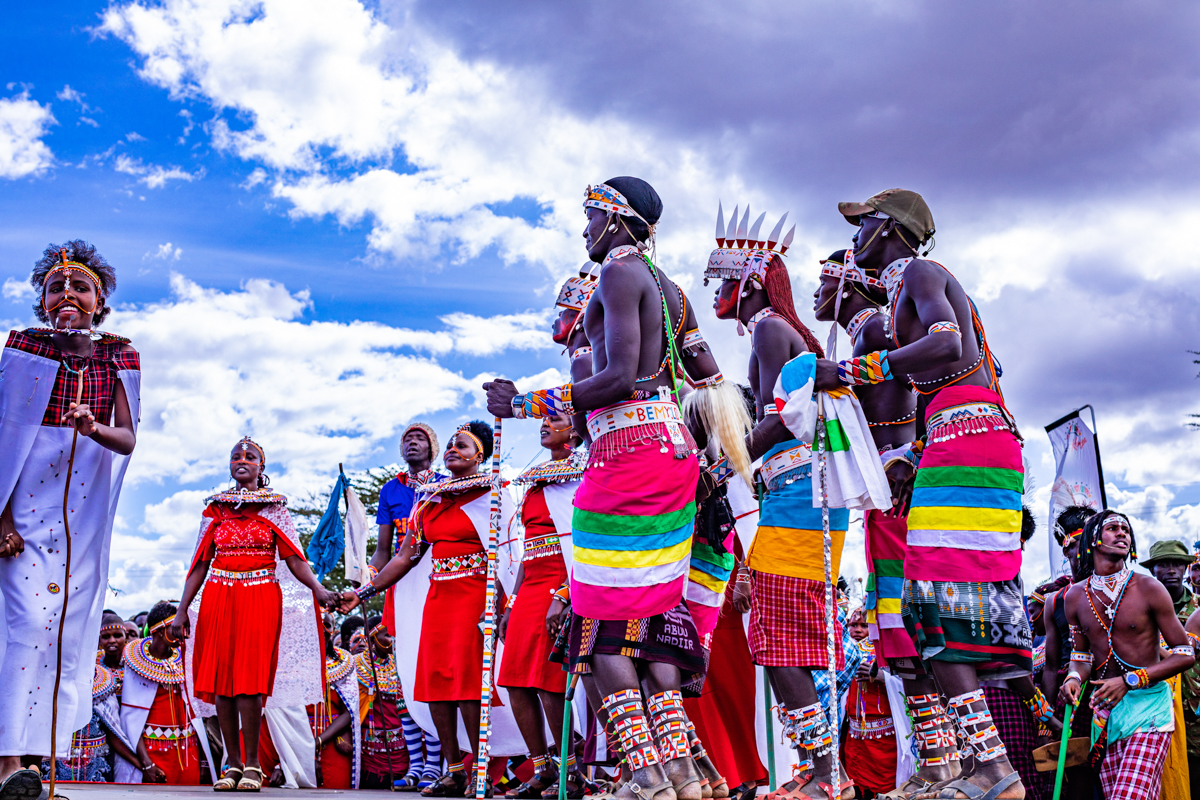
[
  {"x": 161, "y": 624},
  {"x": 116, "y": 627},
  {"x": 850, "y": 272},
  {"x": 740, "y": 253},
  {"x": 1071, "y": 536},
  {"x": 606, "y": 198},
  {"x": 478, "y": 443},
  {"x": 576, "y": 291},
  {"x": 69, "y": 267},
  {"x": 378, "y": 629},
  {"x": 247, "y": 442}
]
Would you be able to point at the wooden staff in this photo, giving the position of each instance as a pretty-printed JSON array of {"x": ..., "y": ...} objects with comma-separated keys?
[
  {"x": 830, "y": 614},
  {"x": 62, "y": 618},
  {"x": 489, "y": 622},
  {"x": 567, "y": 742}
]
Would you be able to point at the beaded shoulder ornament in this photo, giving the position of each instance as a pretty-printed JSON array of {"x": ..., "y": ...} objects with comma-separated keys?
[
  {"x": 456, "y": 485},
  {"x": 567, "y": 469},
  {"x": 339, "y": 667},
  {"x": 97, "y": 336},
  {"x": 104, "y": 682},
  {"x": 239, "y": 497},
  {"x": 165, "y": 670},
  {"x": 385, "y": 671}
]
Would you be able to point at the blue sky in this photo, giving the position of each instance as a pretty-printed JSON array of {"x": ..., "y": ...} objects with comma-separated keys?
[{"x": 329, "y": 218}]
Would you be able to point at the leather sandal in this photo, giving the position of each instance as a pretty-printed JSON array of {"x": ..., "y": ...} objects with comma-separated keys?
[
  {"x": 643, "y": 793},
  {"x": 228, "y": 781},
  {"x": 532, "y": 789},
  {"x": 720, "y": 789},
  {"x": 248, "y": 784},
  {"x": 972, "y": 792},
  {"x": 24, "y": 784},
  {"x": 449, "y": 785},
  {"x": 847, "y": 785}
]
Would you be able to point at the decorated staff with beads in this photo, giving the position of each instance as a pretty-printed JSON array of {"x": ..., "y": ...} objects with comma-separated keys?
[
  {"x": 963, "y": 598},
  {"x": 1117, "y": 619},
  {"x": 788, "y": 566},
  {"x": 441, "y": 568},
  {"x": 635, "y": 508},
  {"x": 71, "y": 396},
  {"x": 256, "y": 612}
]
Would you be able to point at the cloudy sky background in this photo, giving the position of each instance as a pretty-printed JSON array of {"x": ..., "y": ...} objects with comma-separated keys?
[{"x": 330, "y": 218}]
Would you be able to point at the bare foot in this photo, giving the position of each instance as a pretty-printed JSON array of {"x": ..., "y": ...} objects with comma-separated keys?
[{"x": 685, "y": 778}]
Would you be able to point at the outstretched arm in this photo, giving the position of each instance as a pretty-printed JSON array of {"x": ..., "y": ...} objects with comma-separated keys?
[
  {"x": 195, "y": 579},
  {"x": 303, "y": 573}
]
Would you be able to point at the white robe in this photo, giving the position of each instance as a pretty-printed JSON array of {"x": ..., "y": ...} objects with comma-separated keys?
[{"x": 33, "y": 472}]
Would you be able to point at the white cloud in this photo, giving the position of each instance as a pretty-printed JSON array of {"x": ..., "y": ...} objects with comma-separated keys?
[
  {"x": 134, "y": 136},
  {"x": 16, "y": 290},
  {"x": 165, "y": 252},
  {"x": 73, "y": 96},
  {"x": 153, "y": 175},
  {"x": 485, "y": 336},
  {"x": 23, "y": 123},
  {"x": 88, "y": 121}
]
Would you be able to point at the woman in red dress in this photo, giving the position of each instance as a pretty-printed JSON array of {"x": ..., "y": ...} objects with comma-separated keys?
[
  {"x": 335, "y": 721},
  {"x": 534, "y": 682},
  {"x": 245, "y": 531},
  {"x": 449, "y": 665}
]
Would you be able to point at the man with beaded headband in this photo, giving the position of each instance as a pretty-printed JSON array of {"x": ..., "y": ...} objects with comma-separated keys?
[
  {"x": 847, "y": 294},
  {"x": 632, "y": 535},
  {"x": 784, "y": 574},
  {"x": 963, "y": 602},
  {"x": 1116, "y": 619},
  {"x": 69, "y": 396}
]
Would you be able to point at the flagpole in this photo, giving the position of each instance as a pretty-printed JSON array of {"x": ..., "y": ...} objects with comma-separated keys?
[{"x": 489, "y": 622}]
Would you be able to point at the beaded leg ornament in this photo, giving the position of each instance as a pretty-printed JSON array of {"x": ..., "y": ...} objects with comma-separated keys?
[
  {"x": 980, "y": 734},
  {"x": 629, "y": 718},
  {"x": 670, "y": 724},
  {"x": 808, "y": 728},
  {"x": 932, "y": 730},
  {"x": 413, "y": 741},
  {"x": 698, "y": 750}
]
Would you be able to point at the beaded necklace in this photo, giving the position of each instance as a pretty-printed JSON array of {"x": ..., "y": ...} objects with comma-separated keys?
[
  {"x": 758, "y": 317},
  {"x": 104, "y": 683},
  {"x": 565, "y": 469},
  {"x": 856, "y": 323},
  {"x": 167, "y": 670},
  {"x": 338, "y": 665},
  {"x": 385, "y": 672},
  {"x": 456, "y": 485},
  {"x": 1109, "y": 587},
  {"x": 239, "y": 496}
]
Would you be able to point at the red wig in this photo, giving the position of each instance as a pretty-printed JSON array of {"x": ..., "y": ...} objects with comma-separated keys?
[{"x": 779, "y": 295}]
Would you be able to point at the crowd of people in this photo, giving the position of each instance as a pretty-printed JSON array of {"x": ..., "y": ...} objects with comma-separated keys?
[{"x": 683, "y": 530}]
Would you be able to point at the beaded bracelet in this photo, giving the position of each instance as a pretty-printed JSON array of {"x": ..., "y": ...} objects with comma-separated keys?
[
  {"x": 1081, "y": 656},
  {"x": 552, "y": 402},
  {"x": 865, "y": 369},
  {"x": 365, "y": 592},
  {"x": 1143, "y": 678}
]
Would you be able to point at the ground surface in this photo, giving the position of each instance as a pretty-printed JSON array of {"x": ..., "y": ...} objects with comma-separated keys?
[{"x": 114, "y": 791}]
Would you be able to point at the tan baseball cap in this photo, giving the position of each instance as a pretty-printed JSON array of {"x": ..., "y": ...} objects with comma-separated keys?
[{"x": 907, "y": 208}]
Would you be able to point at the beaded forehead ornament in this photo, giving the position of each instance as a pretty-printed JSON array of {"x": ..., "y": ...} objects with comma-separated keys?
[
  {"x": 245, "y": 444},
  {"x": 849, "y": 271}
]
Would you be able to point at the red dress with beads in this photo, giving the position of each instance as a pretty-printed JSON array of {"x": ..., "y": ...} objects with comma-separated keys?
[
  {"x": 527, "y": 644},
  {"x": 241, "y": 611},
  {"x": 449, "y": 663}
]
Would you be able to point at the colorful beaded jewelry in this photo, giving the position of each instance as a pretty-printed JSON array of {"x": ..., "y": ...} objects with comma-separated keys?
[
  {"x": 865, "y": 369},
  {"x": 945, "y": 327},
  {"x": 167, "y": 670}
]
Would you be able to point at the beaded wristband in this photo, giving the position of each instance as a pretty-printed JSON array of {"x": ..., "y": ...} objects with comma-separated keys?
[
  {"x": 1184, "y": 650},
  {"x": 1143, "y": 678},
  {"x": 865, "y": 369},
  {"x": 1081, "y": 656},
  {"x": 365, "y": 592},
  {"x": 945, "y": 327},
  {"x": 552, "y": 402}
]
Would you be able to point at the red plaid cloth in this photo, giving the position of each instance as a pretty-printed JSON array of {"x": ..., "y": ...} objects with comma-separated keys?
[
  {"x": 1133, "y": 767},
  {"x": 99, "y": 381},
  {"x": 787, "y": 623},
  {"x": 1018, "y": 731}
]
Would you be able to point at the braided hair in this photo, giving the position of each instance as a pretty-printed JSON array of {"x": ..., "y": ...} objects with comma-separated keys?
[
  {"x": 1071, "y": 519},
  {"x": 779, "y": 294},
  {"x": 1090, "y": 540}
]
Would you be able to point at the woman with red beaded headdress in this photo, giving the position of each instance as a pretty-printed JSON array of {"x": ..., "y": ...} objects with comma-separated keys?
[
  {"x": 248, "y": 608},
  {"x": 70, "y": 395},
  {"x": 453, "y": 521}
]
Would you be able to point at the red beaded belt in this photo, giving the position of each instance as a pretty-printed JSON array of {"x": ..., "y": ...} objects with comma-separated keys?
[
  {"x": 252, "y": 578},
  {"x": 87, "y": 747},
  {"x": 879, "y": 728},
  {"x": 542, "y": 546},
  {"x": 447, "y": 569}
]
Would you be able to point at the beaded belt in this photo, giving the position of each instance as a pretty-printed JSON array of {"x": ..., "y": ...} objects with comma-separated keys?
[
  {"x": 253, "y": 578},
  {"x": 168, "y": 734},
  {"x": 87, "y": 747},
  {"x": 394, "y": 736},
  {"x": 625, "y": 415},
  {"x": 966, "y": 419},
  {"x": 879, "y": 728},
  {"x": 542, "y": 546},
  {"x": 783, "y": 464},
  {"x": 447, "y": 569}
]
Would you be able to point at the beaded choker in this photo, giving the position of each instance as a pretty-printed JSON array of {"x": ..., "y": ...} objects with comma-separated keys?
[
  {"x": 892, "y": 276},
  {"x": 456, "y": 485},
  {"x": 239, "y": 497},
  {"x": 385, "y": 672},
  {"x": 855, "y": 325},
  {"x": 759, "y": 317},
  {"x": 566, "y": 469},
  {"x": 420, "y": 479},
  {"x": 338, "y": 666},
  {"x": 165, "y": 670},
  {"x": 1112, "y": 586},
  {"x": 621, "y": 252}
]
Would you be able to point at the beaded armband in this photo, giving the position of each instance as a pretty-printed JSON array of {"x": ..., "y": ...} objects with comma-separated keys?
[
  {"x": 552, "y": 402},
  {"x": 743, "y": 575},
  {"x": 711, "y": 382},
  {"x": 366, "y": 592},
  {"x": 1184, "y": 650},
  {"x": 563, "y": 593},
  {"x": 1081, "y": 656},
  {"x": 945, "y": 327},
  {"x": 770, "y": 408},
  {"x": 865, "y": 369}
]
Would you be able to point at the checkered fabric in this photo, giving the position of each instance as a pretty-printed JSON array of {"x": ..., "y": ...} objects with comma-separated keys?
[
  {"x": 1018, "y": 731},
  {"x": 99, "y": 381},
  {"x": 787, "y": 622},
  {"x": 1132, "y": 768}
]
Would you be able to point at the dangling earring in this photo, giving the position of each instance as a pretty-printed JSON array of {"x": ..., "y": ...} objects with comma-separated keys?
[{"x": 264, "y": 481}]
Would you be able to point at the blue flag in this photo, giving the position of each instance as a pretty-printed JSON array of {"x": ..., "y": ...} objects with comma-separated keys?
[{"x": 329, "y": 540}]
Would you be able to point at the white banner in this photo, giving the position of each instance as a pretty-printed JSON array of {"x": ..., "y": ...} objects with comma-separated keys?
[
  {"x": 1078, "y": 476},
  {"x": 356, "y": 539}
]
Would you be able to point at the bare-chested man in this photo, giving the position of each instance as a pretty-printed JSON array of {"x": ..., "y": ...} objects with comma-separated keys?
[
  {"x": 635, "y": 509},
  {"x": 891, "y": 410},
  {"x": 963, "y": 560},
  {"x": 784, "y": 574},
  {"x": 1116, "y": 618}
]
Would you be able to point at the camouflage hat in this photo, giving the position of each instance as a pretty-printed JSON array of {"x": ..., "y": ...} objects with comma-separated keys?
[{"x": 907, "y": 208}]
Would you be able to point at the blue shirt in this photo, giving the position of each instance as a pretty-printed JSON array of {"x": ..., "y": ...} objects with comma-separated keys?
[{"x": 397, "y": 497}]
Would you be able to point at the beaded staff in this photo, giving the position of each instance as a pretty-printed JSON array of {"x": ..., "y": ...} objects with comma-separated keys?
[
  {"x": 66, "y": 591},
  {"x": 830, "y": 642},
  {"x": 489, "y": 622}
]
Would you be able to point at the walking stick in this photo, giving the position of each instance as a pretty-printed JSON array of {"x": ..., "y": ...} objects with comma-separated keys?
[
  {"x": 566, "y": 741},
  {"x": 830, "y": 644},
  {"x": 489, "y": 622},
  {"x": 62, "y": 619},
  {"x": 770, "y": 732},
  {"x": 1062, "y": 747}
]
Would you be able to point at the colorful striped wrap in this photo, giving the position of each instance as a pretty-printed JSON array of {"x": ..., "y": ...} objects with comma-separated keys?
[
  {"x": 635, "y": 511},
  {"x": 708, "y": 576},
  {"x": 964, "y": 522},
  {"x": 885, "y": 546}
]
